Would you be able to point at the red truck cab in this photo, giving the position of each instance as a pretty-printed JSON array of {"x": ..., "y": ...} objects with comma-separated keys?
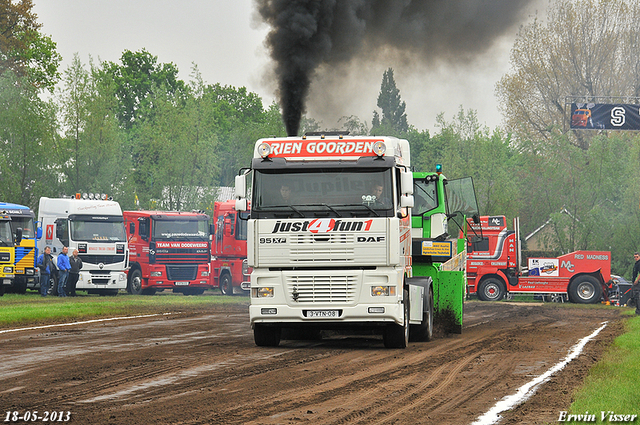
[
  {"x": 168, "y": 250},
  {"x": 229, "y": 269}
]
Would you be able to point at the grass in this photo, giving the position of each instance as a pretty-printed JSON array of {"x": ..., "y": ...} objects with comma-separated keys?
[
  {"x": 31, "y": 308},
  {"x": 613, "y": 384}
]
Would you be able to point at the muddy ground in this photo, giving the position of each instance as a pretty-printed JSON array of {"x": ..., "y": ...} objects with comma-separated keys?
[{"x": 205, "y": 369}]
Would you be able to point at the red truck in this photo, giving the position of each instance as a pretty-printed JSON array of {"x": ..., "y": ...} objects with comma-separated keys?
[
  {"x": 229, "y": 269},
  {"x": 168, "y": 250},
  {"x": 494, "y": 268}
]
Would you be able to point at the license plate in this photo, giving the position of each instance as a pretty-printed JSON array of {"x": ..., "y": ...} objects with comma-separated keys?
[
  {"x": 182, "y": 283},
  {"x": 322, "y": 313}
]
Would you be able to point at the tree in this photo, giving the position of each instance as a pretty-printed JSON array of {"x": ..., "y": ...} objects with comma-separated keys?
[
  {"x": 91, "y": 152},
  {"x": 23, "y": 49},
  {"x": 135, "y": 79},
  {"x": 394, "y": 118},
  {"x": 585, "y": 49},
  {"x": 28, "y": 167}
]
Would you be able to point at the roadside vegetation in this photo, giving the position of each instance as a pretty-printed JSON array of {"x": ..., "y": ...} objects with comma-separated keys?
[
  {"x": 32, "y": 309},
  {"x": 613, "y": 384}
]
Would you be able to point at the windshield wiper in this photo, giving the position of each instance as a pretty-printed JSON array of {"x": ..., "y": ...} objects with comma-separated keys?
[
  {"x": 362, "y": 205},
  {"x": 327, "y": 206},
  {"x": 288, "y": 206}
]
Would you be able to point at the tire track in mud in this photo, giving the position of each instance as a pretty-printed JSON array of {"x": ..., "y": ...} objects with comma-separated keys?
[
  {"x": 196, "y": 371},
  {"x": 416, "y": 364}
]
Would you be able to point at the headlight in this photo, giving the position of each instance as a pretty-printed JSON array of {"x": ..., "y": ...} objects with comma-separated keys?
[
  {"x": 380, "y": 291},
  {"x": 264, "y": 149},
  {"x": 204, "y": 274},
  {"x": 156, "y": 274},
  {"x": 7, "y": 270},
  {"x": 263, "y": 292},
  {"x": 30, "y": 272},
  {"x": 379, "y": 148},
  {"x": 122, "y": 276}
]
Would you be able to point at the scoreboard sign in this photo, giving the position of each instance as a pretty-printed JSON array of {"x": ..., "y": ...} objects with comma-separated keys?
[{"x": 599, "y": 116}]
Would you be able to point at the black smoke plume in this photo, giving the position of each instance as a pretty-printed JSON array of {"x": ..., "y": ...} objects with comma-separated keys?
[{"x": 306, "y": 34}]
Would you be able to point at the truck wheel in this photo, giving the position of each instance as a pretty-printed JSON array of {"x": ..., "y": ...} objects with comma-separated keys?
[
  {"x": 193, "y": 291},
  {"x": 424, "y": 331},
  {"x": 491, "y": 289},
  {"x": 226, "y": 287},
  {"x": 53, "y": 285},
  {"x": 135, "y": 283},
  {"x": 585, "y": 290},
  {"x": 20, "y": 286},
  {"x": 397, "y": 336},
  {"x": 266, "y": 336}
]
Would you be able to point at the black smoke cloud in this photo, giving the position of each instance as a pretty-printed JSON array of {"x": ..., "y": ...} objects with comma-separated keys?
[{"x": 307, "y": 34}]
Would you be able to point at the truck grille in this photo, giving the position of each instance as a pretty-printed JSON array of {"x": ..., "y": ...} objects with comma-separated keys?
[
  {"x": 321, "y": 248},
  {"x": 182, "y": 272},
  {"x": 322, "y": 289},
  {"x": 104, "y": 259}
]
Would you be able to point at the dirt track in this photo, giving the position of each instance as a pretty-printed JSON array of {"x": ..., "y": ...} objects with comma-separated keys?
[{"x": 203, "y": 369}]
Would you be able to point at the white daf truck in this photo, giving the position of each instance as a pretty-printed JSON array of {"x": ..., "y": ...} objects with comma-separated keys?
[
  {"x": 329, "y": 239},
  {"x": 95, "y": 227}
]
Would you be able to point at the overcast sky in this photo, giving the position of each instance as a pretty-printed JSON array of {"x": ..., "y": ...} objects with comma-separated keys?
[{"x": 225, "y": 40}]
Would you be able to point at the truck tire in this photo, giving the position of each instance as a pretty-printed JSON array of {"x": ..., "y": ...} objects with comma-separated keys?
[
  {"x": 266, "y": 336},
  {"x": 193, "y": 291},
  {"x": 491, "y": 289},
  {"x": 20, "y": 285},
  {"x": 585, "y": 290},
  {"x": 53, "y": 284},
  {"x": 397, "y": 336},
  {"x": 135, "y": 283},
  {"x": 226, "y": 286},
  {"x": 424, "y": 331}
]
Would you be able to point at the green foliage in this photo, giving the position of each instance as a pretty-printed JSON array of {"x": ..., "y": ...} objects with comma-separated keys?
[
  {"x": 612, "y": 384},
  {"x": 35, "y": 310},
  {"x": 135, "y": 79},
  {"x": 394, "y": 118},
  {"x": 23, "y": 49},
  {"x": 28, "y": 138}
]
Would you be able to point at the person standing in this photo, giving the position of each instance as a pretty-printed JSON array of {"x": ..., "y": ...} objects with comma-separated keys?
[
  {"x": 45, "y": 264},
  {"x": 76, "y": 264},
  {"x": 636, "y": 281},
  {"x": 63, "y": 271}
]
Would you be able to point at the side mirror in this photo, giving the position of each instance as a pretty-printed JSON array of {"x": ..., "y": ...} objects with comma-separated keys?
[
  {"x": 241, "y": 186},
  {"x": 406, "y": 182},
  {"x": 406, "y": 201},
  {"x": 476, "y": 219},
  {"x": 132, "y": 228},
  {"x": 241, "y": 204},
  {"x": 39, "y": 233},
  {"x": 212, "y": 229},
  {"x": 18, "y": 238}
]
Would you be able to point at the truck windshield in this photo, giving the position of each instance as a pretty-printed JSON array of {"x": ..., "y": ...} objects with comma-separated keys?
[
  {"x": 181, "y": 229},
  {"x": 107, "y": 229},
  {"x": 6, "y": 237},
  {"x": 25, "y": 223},
  {"x": 336, "y": 192},
  {"x": 425, "y": 196}
]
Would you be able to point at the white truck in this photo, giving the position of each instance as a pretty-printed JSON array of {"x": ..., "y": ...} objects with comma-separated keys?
[
  {"x": 329, "y": 239},
  {"x": 95, "y": 227}
]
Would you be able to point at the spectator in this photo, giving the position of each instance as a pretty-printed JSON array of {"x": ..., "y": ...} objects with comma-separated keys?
[
  {"x": 76, "y": 264},
  {"x": 63, "y": 271},
  {"x": 46, "y": 266}
]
